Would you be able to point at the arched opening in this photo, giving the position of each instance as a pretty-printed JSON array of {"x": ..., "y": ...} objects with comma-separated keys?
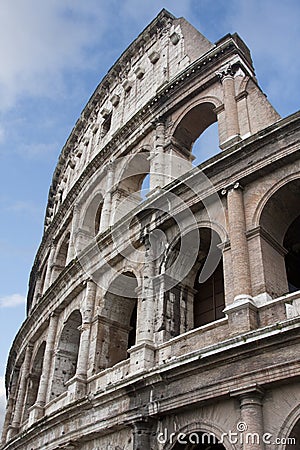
[
  {"x": 34, "y": 380},
  {"x": 294, "y": 437},
  {"x": 133, "y": 184},
  {"x": 198, "y": 441},
  {"x": 291, "y": 243},
  {"x": 193, "y": 125},
  {"x": 66, "y": 354},
  {"x": 199, "y": 296},
  {"x": 92, "y": 218},
  {"x": 61, "y": 256},
  {"x": 279, "y": 240},
  {"x": 118, "y": 330}
]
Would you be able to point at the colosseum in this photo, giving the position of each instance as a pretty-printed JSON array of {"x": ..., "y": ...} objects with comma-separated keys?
[{"x": 167, "y": 319}]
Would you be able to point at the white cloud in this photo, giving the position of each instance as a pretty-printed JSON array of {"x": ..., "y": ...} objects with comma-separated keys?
[
  {"x": 11, "y": 301},
  {"x": 2, "y": 402},
  {"x": 39, "y": 40}
]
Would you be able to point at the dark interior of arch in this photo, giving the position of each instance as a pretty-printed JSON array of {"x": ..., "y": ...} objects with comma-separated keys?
[
  {"x": 67, "y": 354},
  {"x": 63, "y": 252},
  {"x": 98, "y": 218},
  {"x": 209, "y": 297},
  {"x": 194, "y": 123},
  {"x": 281, "y": 210},
  {"x": 34, "y": 379},
  {"x": 199, "y": 441},
  {"x": 121, "y": 310},
  {"x": 292, "y": 259},
  {"x": 196, "y": 261},
  {"x": 91, "y": 222},
  {"x": 295, "y": 435}
]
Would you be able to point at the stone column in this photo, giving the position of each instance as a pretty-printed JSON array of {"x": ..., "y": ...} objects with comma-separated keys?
[
  {"x": 105, "y": 220},
  {"x": 20, "y": 400},
  {"x": 231, "y": 112},
  {"x": 10, "y": 404},
  {"x": 77, "y": 384},
  {"x": 141, "y": 436},
  {"x": 74, "y": 227},
  {"x": 38, "y": 289},
  {"x": 157, "y": 158},
  {"x": 251, "y": 424},
  {"x": 142, "y": 354},
  {"x": 38, "y": 408},
  {"x": 238, "y": 241},
  {"x": 48, "y": 277},
  {"x": 243, "y": 312},
  {"x": 147, "y": 301},
  {"x": 87, "y": 316}
]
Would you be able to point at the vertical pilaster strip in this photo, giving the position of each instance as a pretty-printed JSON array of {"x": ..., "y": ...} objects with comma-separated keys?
[
  {"x": 106, "y": 210},
  {"x": 48, "y": 356},
  {"x": 10, "y": 404},
  {"x": 48, "y": 277},
  {"x": 38, "y": 288},
  {"x": 20, "y": 400},
  {"x": 157, "y": 159},
  {"x": 231, "y": 112},
  {"x": 145, "y": 325},
  {"x": 74, "y": 227},
  {"x": 238, "y": 242},
  {"x": 88, "y": 311},
  {"x": 252, "y": 420},
  {"x": 141, "y": 436}
]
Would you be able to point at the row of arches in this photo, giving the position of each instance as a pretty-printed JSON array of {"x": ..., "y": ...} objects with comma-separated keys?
[
  {"x": 198, "y": 299},
  {"x": 133, "y": 185}
]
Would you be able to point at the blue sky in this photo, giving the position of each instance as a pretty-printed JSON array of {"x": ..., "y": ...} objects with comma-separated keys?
[{"x": 53, "y": 55}]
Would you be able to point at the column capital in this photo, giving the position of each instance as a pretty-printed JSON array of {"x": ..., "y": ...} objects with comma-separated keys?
[
  {"x": 233, "y": 186},
  {"x": 226, "y": 71},
  {"x": 248, "y": 393},
  {"x": 109, "y": 166},
  {"x": 88, "y": 281},
  {"x": 161, "y": 120}
]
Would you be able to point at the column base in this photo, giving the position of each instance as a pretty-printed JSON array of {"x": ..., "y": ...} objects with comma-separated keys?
[
  {"x": 242, "y": 314},
  {"x": 230, "y": 141},
  {"x": 35, "y": 413},
  {"x": 141, "y": 357},
  {"x": 12, "y": 431},
  {"x": 142, "y": 434},
  {"x": 76, "y": 387}
]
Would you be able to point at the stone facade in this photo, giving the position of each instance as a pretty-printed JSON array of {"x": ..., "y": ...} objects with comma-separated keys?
[{"x": 156, "y": 321}]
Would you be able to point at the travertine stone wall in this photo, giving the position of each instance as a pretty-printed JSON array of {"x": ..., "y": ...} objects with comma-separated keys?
[{"x": 83, "y": 371}]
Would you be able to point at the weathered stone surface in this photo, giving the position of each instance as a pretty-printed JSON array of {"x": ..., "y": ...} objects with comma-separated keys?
[{"x": 111, "y": 355}]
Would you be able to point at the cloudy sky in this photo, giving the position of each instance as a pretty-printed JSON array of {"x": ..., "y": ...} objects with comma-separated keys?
[{"x": 53, "y": 55}]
